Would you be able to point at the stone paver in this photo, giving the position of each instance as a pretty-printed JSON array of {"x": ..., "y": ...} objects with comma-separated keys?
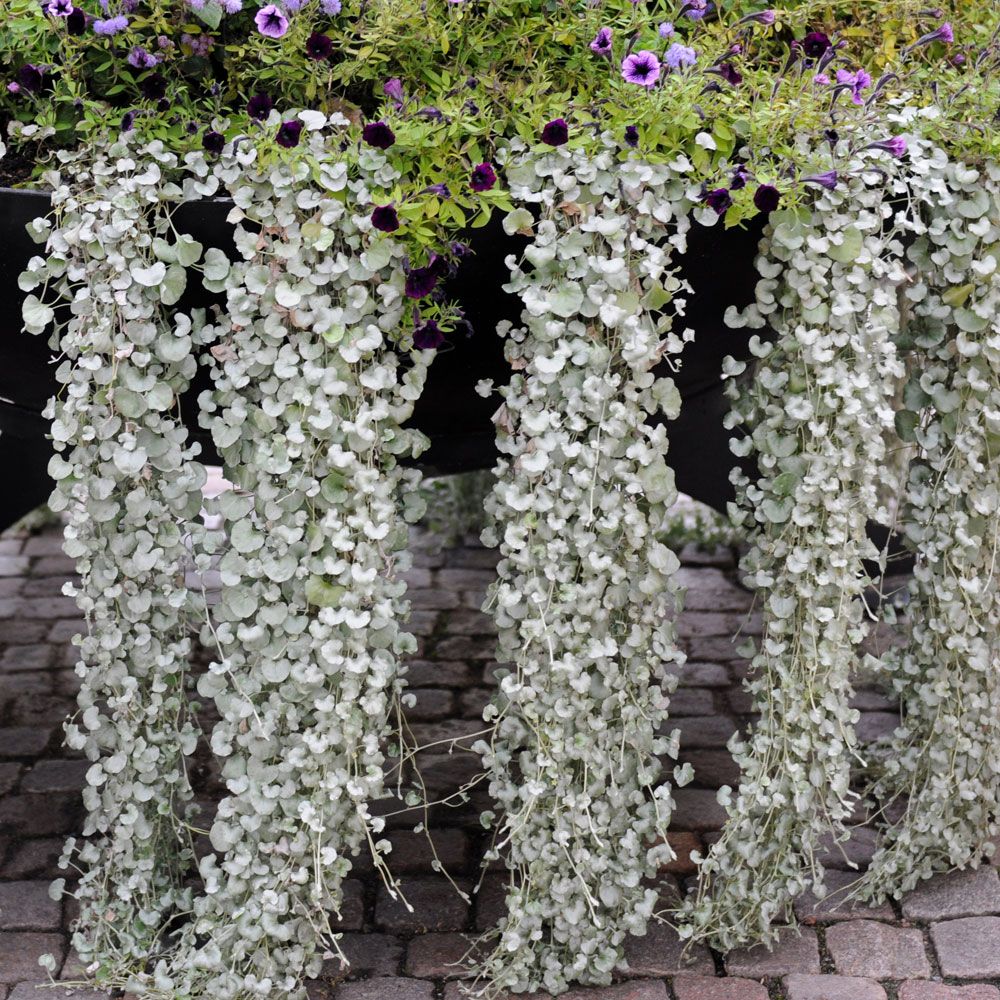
[
  {"x": 877, "y": 950},
  {"x": 398, "y": 955},
  {"x": 970, "y": 893},
  {"x": 918, "y": 990},
  {"x": 968, "y": 948},
  {"x": 794, "y": 952},
  {"x": 731, "y": 988},
  {"x": 832, "y": 988}
]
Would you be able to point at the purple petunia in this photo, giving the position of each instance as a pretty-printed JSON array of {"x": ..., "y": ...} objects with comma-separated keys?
[
  {"x": 766, "y": 198},
  {"x": 679, "y": 55},
  {"x": 141, "y": 59},
  {"x": 857, "y": 81},
  {"x": 111, "y": 25},
  {"x": 76, "y": 22},
  {"x": 31, "y": 78},
  {"x": 393, "y": 89},
  {"x": 271, "y": 21},
  {"x": 319, "y": 46},
  {"x": 631, "y": 136},
  {"x": 483, "y": 177},
  {"x": 441, "y": 190},
  {"x": 127, "y": 122},
  {"x": 826, "y": 180},
  {"x": 696, "y": 9},
  {"x": 384, "y": 218},
  {"x": 942, "y": 33},
  {"x": 60, "y": 8},
  {"x": 642, "y": 68},
  {"x": 213, "y": 142},
  {"x": 739, "y": 178},
  {"x": 428, "y": 336},
  {"x": 602, "y": 42},
  {"x": 421, "y": 281},
  {"x": 289, "y": 134},
  {"x": 815, "y": 44},
  {"x": 378, "y": 134},
  {"x": 730, "y": 74},
  {"x": 896, "y": 146},
  {"x": 719, "y": 200},
  {"x": 556, "y": 132},
  {"x": 766, "y": 17},
  {"x": 259, "y": 106}
]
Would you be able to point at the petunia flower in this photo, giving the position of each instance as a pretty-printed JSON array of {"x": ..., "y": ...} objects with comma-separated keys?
[
  {"x": 679, "y": 55},
  {"x": 110, "y": 26},
  {"x": 259, "y": 106},
  {"x": 739, "y": 177},
  {"x": 378, "y": 134},
  {"x": 642, "y": 68},
  {"x": 384, "y": 218},
  {"x": 441, "y": 190},
  {"x": 153, "y": 87},
  {"x": 556, "y": 132},
  {"x": 428, "y": 336},
  {"x": 942, "y": 33},
  {"x": 76, "y": 22},
  {"x": 602, "y": 42},
  {"x": 821, "y": 79},
  {"x": 826, "y": 180},
  {"x": 631, "y": 136},
  {"x": 483, "y": 178},
  {"x": 766, "y": 198},
  {"x": 857, "y": 82},
  {"x": 720, "y": 199},
  {"x": 730, "y": 74},
  {"x": 271, "y": 21},
  {"x": 766, "y": 17},
  {"x": 896, "y": 146},
  {"x": 696, "y": 9},
  {"x": 13, "y": 87},
  {"x": 393, "y": 89},
  {"x": 815, "y": 44},
  {"x": 213, "y": 142},
  {"x": 60, "y": 8},
  {"x": 421, "y": 281},
  {"x": 289, "y": 134},
  {"x": 127, "y": 122},
  {"x": 31, "y": 78},
  {"x": 319, "y": 46}
]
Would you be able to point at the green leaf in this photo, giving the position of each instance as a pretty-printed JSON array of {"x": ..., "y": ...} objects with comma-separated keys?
[
  {"x": 216, "y": 265},
  {"x": 958, "y": 295},
  {"x": 322, "y": 593},
  {"x": 211, "y": 14},
  {"x": 189, "y": 251},
  {"x": 36, "y": 314},
  {"x": 173, "y": 285},
  {"x": 849, "y": 249}
]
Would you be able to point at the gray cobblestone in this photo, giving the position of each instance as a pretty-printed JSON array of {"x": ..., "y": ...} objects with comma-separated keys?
[
  {"x": 25, "y": 906},
  {"x": 923, "y": 990},
  {"x": 832, "y": 988},
  {"x": 659, "y": 953},
  {"x": 877, "y": 950},
  {"x": 19, "y": 952},
  {"x": 968, "y": 948},
  {"x": 970, "y": 893},
  {"x": 386, "y": 989},
  {"x": 705, "y": 988},
  {"x": 794, "y": 952}
]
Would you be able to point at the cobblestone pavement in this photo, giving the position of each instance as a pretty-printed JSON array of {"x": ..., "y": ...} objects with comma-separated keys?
[{"x": 943, "y": 943}]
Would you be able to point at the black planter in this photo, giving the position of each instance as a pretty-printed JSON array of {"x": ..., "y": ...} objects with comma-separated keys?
[{"x": 718, "y": 264}]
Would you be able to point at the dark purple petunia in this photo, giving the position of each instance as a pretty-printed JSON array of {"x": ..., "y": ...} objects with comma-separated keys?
[
  {"x": 76, "y": 22},
  {"x": 153, "y": 87},
  {"x": 815, "y": 44},
  {"x": 739, "y": 178},
  {"x": 483, "y": 177},
  {"x": 719, "y": 200},
  {"x": 556, "y": 133},
  {"x": 384, "y": 218},
  {"x": 631, "y": 136},
  {"x": 378, "y": 134},
  {"x": 259, "y": 106},
  {"x": 31, "y": 78},
  {"x": 421, "y": 281},
  {"x": 766, "y": 198},
  {"x": 730, "y": 74},
  {"x": 319, "y": 46},
  {"x": 128, "y": 121},
  {"x": 896, "y": 145},
  {"x": 289, "y": 134},
  {"x": 428, "y": 336},
  {"x": 213, "y": 142},
  {"x": 441, "y": 190}
]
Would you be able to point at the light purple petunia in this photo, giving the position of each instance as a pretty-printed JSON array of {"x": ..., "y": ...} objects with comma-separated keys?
[
  {"x": 602, "y": 42},
  {"x": 857, "y": 81},
  {"x": 896, "y": 146},
  {"x": 679, "y": 55},
  {"x": 60, "y": 8},
  {"x": 642, "y": 68},
  {"x": 111, "y": 25},
  {"x": 271, "y": 21}
]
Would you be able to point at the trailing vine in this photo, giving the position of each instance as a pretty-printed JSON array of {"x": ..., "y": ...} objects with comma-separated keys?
[
  {"x": 584, "y": 594},
  {"x": 816, "y": 414},
  {"x": 943, "y": 763},
  {"x": 127, "y": 483}
]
